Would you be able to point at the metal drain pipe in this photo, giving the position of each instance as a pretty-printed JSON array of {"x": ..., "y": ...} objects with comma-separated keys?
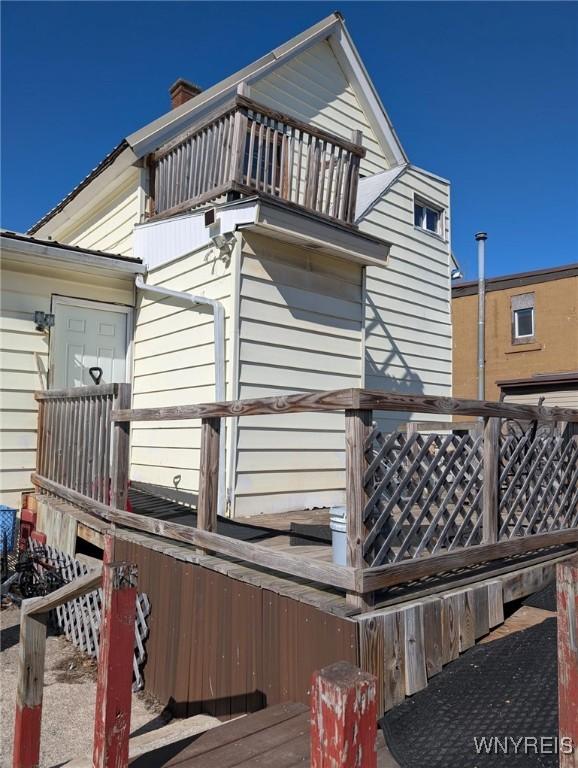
[{"x": 203, "y": 304}]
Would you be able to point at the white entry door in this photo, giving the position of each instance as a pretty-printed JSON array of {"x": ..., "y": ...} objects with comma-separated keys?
[{"x": 88, "y": 335}]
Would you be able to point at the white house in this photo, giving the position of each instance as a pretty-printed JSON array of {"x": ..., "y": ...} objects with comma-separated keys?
[
  {"x": 282, "y": 198},
  {"x": 89, "y": 297}
]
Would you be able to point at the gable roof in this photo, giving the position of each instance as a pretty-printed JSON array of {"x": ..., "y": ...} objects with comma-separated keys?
[{"x": 163, "y": 129}]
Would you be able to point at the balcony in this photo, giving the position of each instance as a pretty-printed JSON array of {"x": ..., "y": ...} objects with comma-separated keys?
[{"x": 248, "y": 149}]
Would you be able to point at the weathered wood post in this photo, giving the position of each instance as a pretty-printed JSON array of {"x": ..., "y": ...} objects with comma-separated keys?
[
  {"x": 491, "y": 480},
  {"x": 343, "y": 718},
  {"x": 209, "y": 475},
  {"x": 357, "y": 430},
  {"x": 114, "y": 684},
  {"x": 353, "y": 181},
  {"x": 26, "y": 752},
  {"x": 239, "y": 138},
  {"x": 120, "y": 450},
  {"x": 567, "y": 605},
  {"x": 33, "y": 617}
]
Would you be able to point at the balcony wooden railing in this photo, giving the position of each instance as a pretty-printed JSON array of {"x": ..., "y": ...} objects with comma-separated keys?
[{"x": 250, "y": 148}]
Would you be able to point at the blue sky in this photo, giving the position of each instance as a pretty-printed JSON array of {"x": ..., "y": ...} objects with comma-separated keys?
[{"x": 485, "y": 94}]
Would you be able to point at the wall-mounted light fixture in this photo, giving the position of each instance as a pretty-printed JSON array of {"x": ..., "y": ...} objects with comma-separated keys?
[{"x": 43, "y": 320}]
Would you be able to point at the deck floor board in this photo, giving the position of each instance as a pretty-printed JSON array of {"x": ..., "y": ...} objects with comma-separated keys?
[{"x": 278, "y": 736}]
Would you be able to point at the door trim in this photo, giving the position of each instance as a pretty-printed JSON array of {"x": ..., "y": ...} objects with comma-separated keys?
[{"x": 57, "y": 299}]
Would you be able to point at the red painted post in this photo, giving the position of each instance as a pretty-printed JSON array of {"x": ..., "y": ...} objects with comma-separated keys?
[
  {"x": 26, "y": 751},
  {"x": 343, "y": 718},
  {"x": 114, "y": 684},
  {"x": 567, "y": 604},
  {"x": 108, "y": 551}
]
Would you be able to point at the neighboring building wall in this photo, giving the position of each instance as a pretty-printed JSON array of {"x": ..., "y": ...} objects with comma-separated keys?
[
  {"x": 555, "y": 345},
  {"x": 24, "y": 357},
  {"x": 299, "y": 330},
  {"x": 408, "y": 331},
  {"x": 107, "y": 225},
  {"x": 312, "y": 87},
  {"x": 174, "y": 365}
]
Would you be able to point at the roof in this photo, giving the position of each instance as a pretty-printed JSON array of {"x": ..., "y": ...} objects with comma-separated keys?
[
  {"x": 29, "y": 246},
  {"x": 159, "y": 131},
  {"x": 55, "y": 244},
  {"x": 516, "y": 280},
  {"x": 104, "y": 163},
  {"x": 371, "y": 188},
  {"x": 541, "y": 380}
]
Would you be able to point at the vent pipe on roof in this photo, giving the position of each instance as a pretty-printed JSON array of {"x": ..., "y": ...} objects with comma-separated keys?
[
  {"x": 182, "y": 91},
  {"x": 481, "y": 238}
]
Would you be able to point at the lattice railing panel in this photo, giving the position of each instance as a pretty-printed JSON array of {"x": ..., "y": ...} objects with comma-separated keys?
[
  {"x": 538, "y": 485},
  {"x": 79, "y": 619},
  {"x": 424, "y": 494}
]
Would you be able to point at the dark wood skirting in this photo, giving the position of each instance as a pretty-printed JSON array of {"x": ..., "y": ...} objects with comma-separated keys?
[{"x": 225, "y": 647}]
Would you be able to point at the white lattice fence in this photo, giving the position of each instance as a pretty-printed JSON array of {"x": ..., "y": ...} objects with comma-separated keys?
[
  {"x": 425, "y": 491},
  {"x": 538, "y": 485},
  {"x": 424, "y": 494},
  {"x": 80, "y": 619}
]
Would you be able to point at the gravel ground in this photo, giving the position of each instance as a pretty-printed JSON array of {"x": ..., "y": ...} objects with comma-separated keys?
[{"x": 69, "y": 698}]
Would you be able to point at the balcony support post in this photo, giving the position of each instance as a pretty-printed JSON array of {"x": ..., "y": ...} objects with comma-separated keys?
[{"x": 239, "y": 138}]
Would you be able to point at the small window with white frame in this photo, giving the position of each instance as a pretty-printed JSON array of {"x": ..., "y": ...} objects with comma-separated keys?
[
  {"x": 523, "y": 318},
  {"x": 427, "y": 216}
]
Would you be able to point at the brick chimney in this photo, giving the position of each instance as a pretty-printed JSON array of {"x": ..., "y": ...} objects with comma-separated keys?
[{"x": 181, "y": 91}]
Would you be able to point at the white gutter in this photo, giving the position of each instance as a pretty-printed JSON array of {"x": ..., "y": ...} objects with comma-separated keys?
[
  {"x": 22, "y": 249},
  {"x": 200, "y": 304}
]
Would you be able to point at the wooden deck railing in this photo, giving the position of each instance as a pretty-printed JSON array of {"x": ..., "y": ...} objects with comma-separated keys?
[
  {"x": 248, "y": 147},
  {"x": 79, "y": 446},
  {"x": 417, "y": 505}
]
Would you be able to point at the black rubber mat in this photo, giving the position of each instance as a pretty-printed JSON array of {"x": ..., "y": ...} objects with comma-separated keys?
[
  {"x": 545, "y": 599},
  {"x": 505, "y": 689}
]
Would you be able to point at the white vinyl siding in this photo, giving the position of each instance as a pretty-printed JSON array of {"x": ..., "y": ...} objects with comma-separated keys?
[
  {"x": 562, "y": 398},
  {"x": 107, "y": 225},
  {"x": 313, "y": 88},
  {"x": 174, "y": 364},
  {"x": 24, "y": 356},
  {"x": 299, "y": 331},
  {"x": 408, "y": 335}
]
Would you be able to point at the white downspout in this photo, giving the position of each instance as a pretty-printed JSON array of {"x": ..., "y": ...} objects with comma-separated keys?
[{"x": 196, "y": 302}]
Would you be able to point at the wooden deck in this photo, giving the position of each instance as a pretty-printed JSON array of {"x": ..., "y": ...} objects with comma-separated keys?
[{"x": 276, "y": 737}]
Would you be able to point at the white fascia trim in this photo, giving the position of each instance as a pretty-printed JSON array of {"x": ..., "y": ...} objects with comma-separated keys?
[
  {"x": 429, "y": 173},
  {"x": 288, "y": 224},
  {"x": 27, "y": 251},
  {"x": 389, "y": 177},
  {"x": 353, "y": 66},
  {"x": 150, "y": 137},
  {"x": 96, "y": 190}
]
